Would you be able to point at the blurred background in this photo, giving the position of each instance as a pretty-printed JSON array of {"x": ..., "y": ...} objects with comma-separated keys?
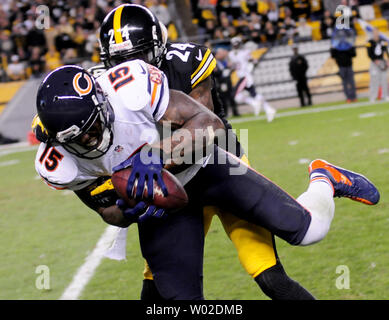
[{"x": 38, "y": 36}]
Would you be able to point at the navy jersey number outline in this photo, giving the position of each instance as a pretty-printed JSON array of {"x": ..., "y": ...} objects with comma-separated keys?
[
  {"x": 120, "y": 77},
  {"x": 52, "y": 159}
]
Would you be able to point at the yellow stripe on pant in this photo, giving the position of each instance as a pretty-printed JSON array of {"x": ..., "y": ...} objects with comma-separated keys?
[{"x": 254, "y": 244}]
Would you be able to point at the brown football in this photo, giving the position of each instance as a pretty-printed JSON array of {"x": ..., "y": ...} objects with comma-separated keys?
[{"x": 176, "y": 198}]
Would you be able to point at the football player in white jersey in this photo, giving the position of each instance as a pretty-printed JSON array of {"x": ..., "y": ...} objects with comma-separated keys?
[
  {"x": 95, "y": 129},
  {"x": 241, "y": 60},
  {"x": 92, "y": 127},
  {"x": 133, "y": 114}
]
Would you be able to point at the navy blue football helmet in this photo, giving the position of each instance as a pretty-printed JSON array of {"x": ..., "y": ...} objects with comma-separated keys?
[{"x": 71, "y": 104}]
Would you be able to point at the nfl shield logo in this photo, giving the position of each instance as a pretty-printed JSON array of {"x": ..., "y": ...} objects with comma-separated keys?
[{"x": 118, "y": 148}]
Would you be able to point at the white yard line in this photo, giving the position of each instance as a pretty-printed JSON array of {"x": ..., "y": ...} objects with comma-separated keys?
[
  {"x": 92, "y": 261},
  {"x": 9, "y": 163},
  {"x": 7, "y": 149},
  {"x": 308, "y": 111}
]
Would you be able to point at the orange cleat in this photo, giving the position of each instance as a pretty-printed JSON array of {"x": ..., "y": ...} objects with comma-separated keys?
[{"x": 345, "y": 182}]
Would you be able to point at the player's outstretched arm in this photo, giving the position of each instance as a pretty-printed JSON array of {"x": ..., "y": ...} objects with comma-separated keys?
[{"x": 186, "y": 116}]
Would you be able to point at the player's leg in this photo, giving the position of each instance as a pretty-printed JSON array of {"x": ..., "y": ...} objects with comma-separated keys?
[
  {"x": 249, "y": 195},
  {"x": 149, "y": 290},
  {"x": 326, "y": 182},
  {"x": 319, "y": 200},
  {"x": 257, "y": 254},
  {"x": 259, "y": 100},
  {"x": 173, "y": 247},
  {"x": 250, "y": 100},
  {"x": 276, "y": 284},
  {"x": 255, "y": 245},
  {"x": 233, "y": 186},
  {"x": 256, "y": 251},
  {"x": 269, "y": 110}
]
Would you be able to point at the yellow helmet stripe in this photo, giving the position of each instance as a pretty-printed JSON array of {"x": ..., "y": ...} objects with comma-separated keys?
[
  {"x": 117, "y": 24},
  {"x": 37, "y": 122},
  {"x": 207, "y": 53},
  {"x": 206, "y": 73}
]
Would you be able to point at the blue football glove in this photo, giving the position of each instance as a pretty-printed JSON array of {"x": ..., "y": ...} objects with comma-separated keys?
[
  {"x": 141, "y": 212},
  {"x": 146, "y": 167},
  {"x": 152, "y": 212}
]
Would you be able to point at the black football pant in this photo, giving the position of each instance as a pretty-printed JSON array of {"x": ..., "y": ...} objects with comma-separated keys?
[
  {"x": 173, "y": 247},
  {"x": 226, "y": 182}
]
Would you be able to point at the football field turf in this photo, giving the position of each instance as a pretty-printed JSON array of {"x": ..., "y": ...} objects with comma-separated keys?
[{"x": 43, "y": 227}]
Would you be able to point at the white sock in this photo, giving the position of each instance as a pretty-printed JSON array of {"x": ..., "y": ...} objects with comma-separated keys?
[
  {"x": 319, "y": 200},
  {"x": 268, "y": 108},
  {"x": 255, "y": 104}
]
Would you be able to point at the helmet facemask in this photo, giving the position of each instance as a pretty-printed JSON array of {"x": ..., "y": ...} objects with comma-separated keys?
[
  {"x": 98, "y": 126},
  {"x": 146, "y": 53}
]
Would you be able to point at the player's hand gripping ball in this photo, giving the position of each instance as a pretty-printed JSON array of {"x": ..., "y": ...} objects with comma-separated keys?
[
  {"x": 142, "y": 178},
  {"x": 141, "y": 212}
]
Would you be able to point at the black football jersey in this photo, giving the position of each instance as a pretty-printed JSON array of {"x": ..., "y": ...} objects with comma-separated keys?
[{"x": 186, "y": 65}]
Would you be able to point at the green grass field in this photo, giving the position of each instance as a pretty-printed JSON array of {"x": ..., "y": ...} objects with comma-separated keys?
[{"x": 39, "y": 226}]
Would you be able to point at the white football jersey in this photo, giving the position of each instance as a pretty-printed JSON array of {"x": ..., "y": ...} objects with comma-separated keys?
[
  {"x": 240, "y": 61},
  {"x": 139, "y": 96}
]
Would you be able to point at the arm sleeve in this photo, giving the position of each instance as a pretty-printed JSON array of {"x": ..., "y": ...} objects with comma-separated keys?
[{"x": 103, "y": 200}]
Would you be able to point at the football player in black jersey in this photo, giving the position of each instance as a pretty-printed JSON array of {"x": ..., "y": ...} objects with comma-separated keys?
[{"x": 189, "y": 68}]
